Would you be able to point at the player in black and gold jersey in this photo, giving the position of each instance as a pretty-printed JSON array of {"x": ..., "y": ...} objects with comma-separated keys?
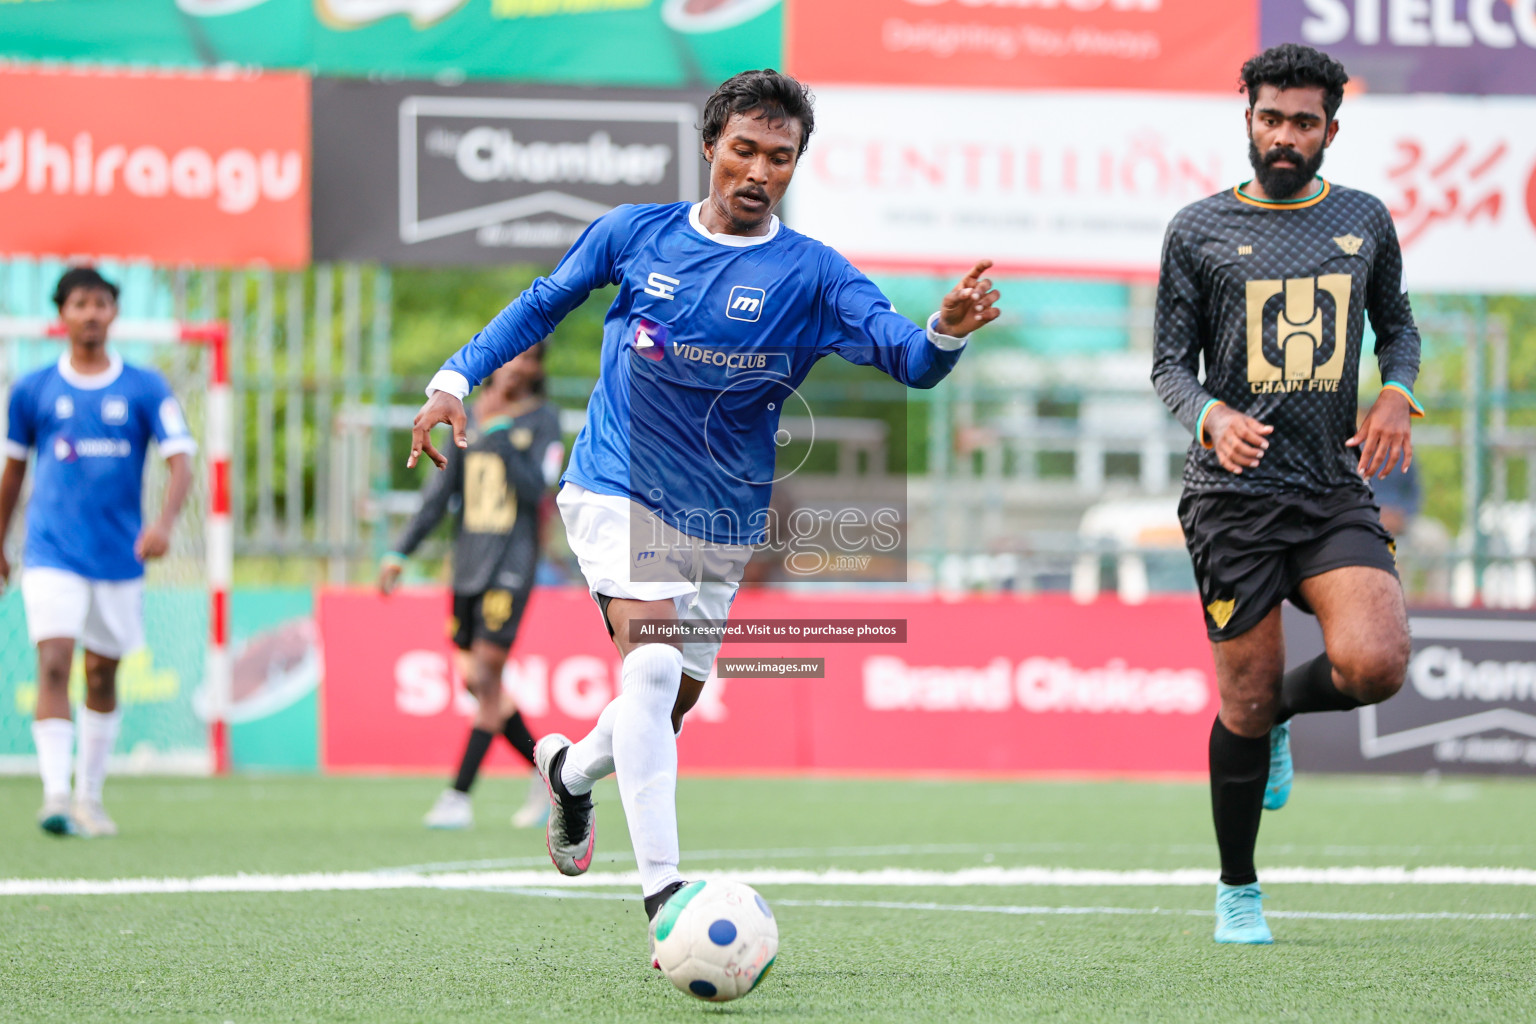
[
  {"x": 495, "y": 485},
  {"x": 1270, "y": 282}
]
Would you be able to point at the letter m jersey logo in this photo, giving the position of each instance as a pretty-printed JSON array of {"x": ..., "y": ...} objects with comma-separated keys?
[{"x": 745, "y": 303}]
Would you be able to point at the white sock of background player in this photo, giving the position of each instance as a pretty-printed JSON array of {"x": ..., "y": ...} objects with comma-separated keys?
[
  {"x": 98, "y": 735},
  {"x": 55, "y": 741},
  {"x": 645, "y": 760}
]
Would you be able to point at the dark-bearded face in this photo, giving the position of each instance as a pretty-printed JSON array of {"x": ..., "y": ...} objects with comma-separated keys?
[{"x": 1283, "y": 171}]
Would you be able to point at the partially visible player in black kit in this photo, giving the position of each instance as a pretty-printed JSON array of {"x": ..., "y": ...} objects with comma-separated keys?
[
  {"x": 1270, "y": 282},
  {"x": 497, "y": 484}
]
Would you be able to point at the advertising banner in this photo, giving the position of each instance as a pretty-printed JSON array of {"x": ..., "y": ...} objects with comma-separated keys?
[
  {"x": 209, "y": 169},
  {"x": 158, "y": 686},
  {"x": 1085, "y": 183},
  {"x": 413, "y": 172},
  {"x": 1456, "y": 46},
  {"x": 1469, "y": 704},
  {"x": 1022, "y": 44},
  {"x": 1039, "y": 685},
  {"x": 661, "y": 43}
]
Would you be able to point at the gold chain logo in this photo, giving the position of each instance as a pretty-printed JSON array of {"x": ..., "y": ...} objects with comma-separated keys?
[{"x": 1298, "y": 333}]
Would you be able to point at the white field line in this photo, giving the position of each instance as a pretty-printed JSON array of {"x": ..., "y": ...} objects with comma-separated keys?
[
  {"x": 972, "y": 908},
  {"x": 885, "y": 878}
]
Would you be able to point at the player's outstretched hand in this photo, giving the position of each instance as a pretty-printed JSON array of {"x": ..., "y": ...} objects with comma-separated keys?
[
  {"x": 970, "y": 304},
  {"x": 154, "y": 541},
  {"x": 5, "y": 571},
  {"x": 1384, "y": 435},
  {"x": 441, "y": 407},
  {"x": 1239, "y": 441},
  {"x": 389, "y": 576}
]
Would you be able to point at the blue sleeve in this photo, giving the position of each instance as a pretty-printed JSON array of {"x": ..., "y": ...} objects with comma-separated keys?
[
  {"x": 864, "y": 329},
  {"x": 167, "y": 422},
  {"x": 21, "y": 425},
  {"x": 590, "y": 264}
]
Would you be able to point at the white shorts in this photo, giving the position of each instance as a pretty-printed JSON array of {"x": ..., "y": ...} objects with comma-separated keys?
[
  {"x": 105, "y": 616},
  {"x": 700, "y": 578}
]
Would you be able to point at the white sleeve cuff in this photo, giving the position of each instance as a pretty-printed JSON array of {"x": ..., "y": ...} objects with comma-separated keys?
[
  {"x": 946, "y": 342},
  {"x": 177, "y": 446},
  {"x": 451, "y": 381},
  {"x": 16, "y": 450}
]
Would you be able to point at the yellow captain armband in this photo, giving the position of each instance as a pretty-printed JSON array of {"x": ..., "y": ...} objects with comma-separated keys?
[
  {"x": 1200, "y": 422},
  {"x": 1415, "y": 410}
]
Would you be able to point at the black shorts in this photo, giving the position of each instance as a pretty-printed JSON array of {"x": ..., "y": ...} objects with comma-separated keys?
[
  {"x": 491, "y": 615},
  {"x": 1251, "y": 552}
]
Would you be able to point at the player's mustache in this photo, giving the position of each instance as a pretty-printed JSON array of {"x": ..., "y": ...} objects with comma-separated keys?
[
  {"x": 1283, "y": 153},
  {"x": 753, "y": 193}
]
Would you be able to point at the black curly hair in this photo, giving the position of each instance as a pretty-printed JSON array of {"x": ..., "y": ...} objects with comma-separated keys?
[
  {"x": 1291, "y": 65},
  {"x": 81, "y": 277},
  {"x": 776, "y": 97}
]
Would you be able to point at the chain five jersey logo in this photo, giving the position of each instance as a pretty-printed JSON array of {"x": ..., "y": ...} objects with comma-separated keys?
[{"x": 1292, "y": 306}]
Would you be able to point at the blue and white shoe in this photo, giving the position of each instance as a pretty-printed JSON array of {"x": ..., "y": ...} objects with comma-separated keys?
[
  {"x": 1281, "y": 771},
  {"x": 1240, "y": 915}
]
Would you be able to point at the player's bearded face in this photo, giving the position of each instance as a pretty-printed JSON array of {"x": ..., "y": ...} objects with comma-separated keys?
[{"x": 1283, "y": 182}]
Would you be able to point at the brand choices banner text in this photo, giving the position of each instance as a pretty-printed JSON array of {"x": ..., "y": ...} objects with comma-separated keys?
[
  {"x": 177, "y": 168},
  {"x": 1085, "y": 183},
  {"x": 1038, "y": 685}
]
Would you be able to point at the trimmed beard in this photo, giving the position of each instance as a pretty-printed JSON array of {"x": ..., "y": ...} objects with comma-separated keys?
[{"x": 1283, "y": 182}]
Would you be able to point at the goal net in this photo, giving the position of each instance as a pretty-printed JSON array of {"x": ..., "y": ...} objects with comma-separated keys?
[{"x": 172, "y": 690}]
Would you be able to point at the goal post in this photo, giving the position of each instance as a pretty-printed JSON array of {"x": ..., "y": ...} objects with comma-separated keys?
[{"x": 176, "y": 691}]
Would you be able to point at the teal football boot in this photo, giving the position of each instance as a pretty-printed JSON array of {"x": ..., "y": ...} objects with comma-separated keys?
[{"x": 1240, "y": 915}]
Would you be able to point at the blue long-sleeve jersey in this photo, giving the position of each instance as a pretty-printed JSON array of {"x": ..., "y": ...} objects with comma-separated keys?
[{"x": 707, "y": 338}]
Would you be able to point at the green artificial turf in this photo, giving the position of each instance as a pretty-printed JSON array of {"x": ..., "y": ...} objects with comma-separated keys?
[{"x": 440, "y": 955}]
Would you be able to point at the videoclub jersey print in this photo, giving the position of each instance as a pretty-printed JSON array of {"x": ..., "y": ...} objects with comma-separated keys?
[
  {"x": 702, "y": 351},
  {"x": 91, "y": 434},
  {"x": 1274, "y": 297}
]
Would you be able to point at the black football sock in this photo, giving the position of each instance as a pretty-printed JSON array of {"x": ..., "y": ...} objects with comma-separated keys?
[
  {"x": 517, "y": 734},
  {"x": 1309, "y": 688},
  {"x": 1239, "y": 772},
  {"x": 474, "y": 753}
]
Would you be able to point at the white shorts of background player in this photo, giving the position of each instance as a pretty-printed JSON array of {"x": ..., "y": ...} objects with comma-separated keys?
[
  {"x": 608, "y": 534},
  {"x": 106, "y": 617}
]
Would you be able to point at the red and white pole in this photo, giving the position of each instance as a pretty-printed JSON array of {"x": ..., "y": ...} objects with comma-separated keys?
[{"x": 220, "y": 543}]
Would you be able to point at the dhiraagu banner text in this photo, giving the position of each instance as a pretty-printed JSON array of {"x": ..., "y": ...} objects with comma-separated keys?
[{"x": 664, "y": 43}]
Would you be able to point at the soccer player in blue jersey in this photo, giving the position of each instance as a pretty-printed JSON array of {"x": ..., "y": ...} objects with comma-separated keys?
[
  {"x": 89, "y": 420},
  {"x": 721, "y": 312}
]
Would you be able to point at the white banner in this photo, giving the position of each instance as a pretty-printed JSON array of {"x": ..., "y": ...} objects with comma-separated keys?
[{"x": 1084, "y": 183}]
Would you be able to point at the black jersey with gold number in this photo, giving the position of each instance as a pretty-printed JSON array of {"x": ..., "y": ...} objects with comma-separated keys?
[
  {"x": 498, "y": 481},
  {"x": 1274, "y": 296}
]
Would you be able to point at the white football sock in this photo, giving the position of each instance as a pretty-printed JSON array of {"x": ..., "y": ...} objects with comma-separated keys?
[
  {"x": 98, "y": 735},
  {"x": 645, "y": 756},
  {"x": 591, "y": 757},
  {"x": 55, "y": 742}
]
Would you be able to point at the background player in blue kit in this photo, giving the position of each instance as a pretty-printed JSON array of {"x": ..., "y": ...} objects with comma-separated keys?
[
  {"x": 721, "y": 312},
  {"x": 89, "y": 419}
]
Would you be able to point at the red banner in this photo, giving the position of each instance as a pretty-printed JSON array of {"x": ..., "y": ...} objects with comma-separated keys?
[
  {"x": 1189, "y": 45},
  {"x": 981, "y": 685},
  {"x": 176, "y": 167}
]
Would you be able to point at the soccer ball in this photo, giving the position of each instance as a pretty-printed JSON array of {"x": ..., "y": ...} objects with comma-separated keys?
[{"x": 715, "y": 940}]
